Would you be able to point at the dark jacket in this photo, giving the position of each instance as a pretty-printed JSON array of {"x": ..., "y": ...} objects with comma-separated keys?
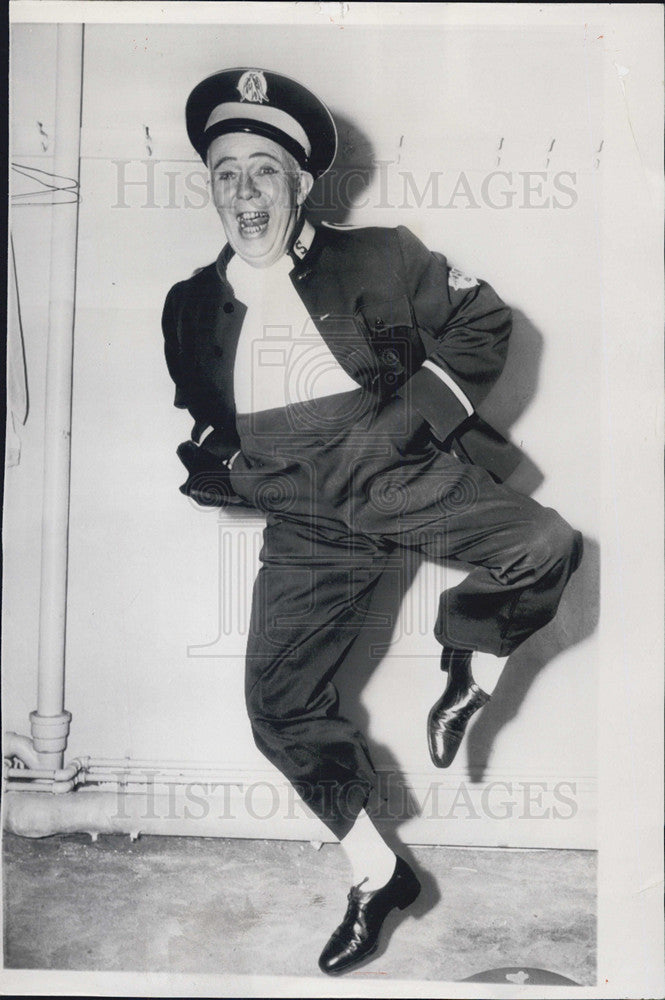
[{"x": 383, "y": 303}]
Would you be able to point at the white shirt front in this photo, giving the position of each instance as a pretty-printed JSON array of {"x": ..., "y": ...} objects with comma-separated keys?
[{"x": 281, "y": 356}]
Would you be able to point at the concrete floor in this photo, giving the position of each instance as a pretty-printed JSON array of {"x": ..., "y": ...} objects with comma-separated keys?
[{"x": 166, "y": 904}]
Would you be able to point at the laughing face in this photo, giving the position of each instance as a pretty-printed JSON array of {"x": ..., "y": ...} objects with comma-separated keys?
[{"x": 258, "y": 190}]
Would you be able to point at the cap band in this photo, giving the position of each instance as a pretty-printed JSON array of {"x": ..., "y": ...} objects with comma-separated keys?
[
  {"x": 258, "y": 112},
  {"x": 256, "y": 128}
]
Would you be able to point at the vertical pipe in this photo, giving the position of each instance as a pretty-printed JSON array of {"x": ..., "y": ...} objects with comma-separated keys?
[{"x": 50, "y": 723}]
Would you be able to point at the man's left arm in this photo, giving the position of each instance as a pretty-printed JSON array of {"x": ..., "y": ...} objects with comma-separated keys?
[{"x": 465, "y": 327}]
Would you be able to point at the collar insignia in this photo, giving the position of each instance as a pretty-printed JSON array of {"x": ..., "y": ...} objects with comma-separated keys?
[
  {"x": 253, "y": 87},
  {"x": 303, "y": 241}
]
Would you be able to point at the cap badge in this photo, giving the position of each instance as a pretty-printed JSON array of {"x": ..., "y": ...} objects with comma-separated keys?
[{"x": 253, "y": 87}]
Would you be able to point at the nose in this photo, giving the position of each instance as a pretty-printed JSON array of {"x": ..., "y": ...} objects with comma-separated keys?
[{"x": 246, "y": 187}]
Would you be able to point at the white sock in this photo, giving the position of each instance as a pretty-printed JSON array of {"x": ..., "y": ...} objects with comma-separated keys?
[
  {"x": 486, "y": 670},
  {"x": 369, "y": 855}
]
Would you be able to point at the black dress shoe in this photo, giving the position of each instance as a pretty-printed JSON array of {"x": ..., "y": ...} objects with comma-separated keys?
[
  {"x": 357, "y": 937},
  {"x": 450, "y": 715}
]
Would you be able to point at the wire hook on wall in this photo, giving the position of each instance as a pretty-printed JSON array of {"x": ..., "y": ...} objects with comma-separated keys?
[{"x": 50, "y": 185}]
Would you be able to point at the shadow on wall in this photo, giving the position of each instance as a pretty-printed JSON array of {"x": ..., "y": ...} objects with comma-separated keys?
[
  {"x": 334, "y": 194},
  {"x": 577, "y": 617},
  {"x": 576, "y": 620},
  {"x": 513, "y": 393},
  {"x": 517, "y": 387}
]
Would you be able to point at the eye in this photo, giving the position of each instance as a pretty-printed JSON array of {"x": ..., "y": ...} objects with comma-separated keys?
[
  {"x": 267, "y": 169},
  {"x": 224, "y": 175}
]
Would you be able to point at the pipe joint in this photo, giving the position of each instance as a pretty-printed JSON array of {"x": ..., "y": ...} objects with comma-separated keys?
[{"x": 50, "y": 732}]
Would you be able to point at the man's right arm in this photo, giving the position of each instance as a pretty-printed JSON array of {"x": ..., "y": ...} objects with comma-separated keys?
[
  {"x": 187, "y": 395},
  {"x": 209, "y": 462}
]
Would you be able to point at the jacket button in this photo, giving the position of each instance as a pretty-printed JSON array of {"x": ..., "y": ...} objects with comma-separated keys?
[
  {"x": 378, "y": 323},
  {"x": 228, "y": 307}
]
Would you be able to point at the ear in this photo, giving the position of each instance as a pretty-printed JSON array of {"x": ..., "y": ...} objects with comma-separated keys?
[{"x": 305, "y": 185}]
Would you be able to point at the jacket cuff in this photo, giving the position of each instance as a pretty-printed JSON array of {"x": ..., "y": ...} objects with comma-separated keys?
[
  {"x": 209, "y": 482},
  {"x": 438, "y": 404}
]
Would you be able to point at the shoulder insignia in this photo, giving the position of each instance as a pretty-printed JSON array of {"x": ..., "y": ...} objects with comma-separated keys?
[{"x": 457, "y": 280}]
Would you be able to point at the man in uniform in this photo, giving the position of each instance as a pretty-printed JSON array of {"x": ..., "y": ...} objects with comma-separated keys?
[{"x": 333, "y": 377}]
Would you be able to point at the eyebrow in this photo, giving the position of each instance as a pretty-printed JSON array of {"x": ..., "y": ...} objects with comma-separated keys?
[{"x": 224, "y": 159}]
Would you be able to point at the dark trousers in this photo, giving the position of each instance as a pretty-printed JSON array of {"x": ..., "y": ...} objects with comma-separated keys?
[{"x": 345, "y": 483}]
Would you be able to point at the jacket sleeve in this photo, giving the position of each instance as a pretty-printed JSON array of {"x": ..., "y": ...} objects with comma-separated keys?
[
  {"x": 186, "y": 396},
  {"x": 190, "y": 393},
  {"x": 465, "y": 329},
  {"x": 208, "y": 479}
]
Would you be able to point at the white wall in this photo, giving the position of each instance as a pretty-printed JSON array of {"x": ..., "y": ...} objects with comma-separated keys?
[{"x": 147, "y": 675}]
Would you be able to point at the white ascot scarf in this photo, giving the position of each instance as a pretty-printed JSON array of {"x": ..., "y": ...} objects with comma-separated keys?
[{"x": 281, "y": 356}]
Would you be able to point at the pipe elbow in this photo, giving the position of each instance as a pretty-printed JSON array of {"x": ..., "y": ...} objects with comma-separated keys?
[
  {"x": 60, "y": 787},
  {"x": 73, "y": 769},
  {"x": 21, "y": 747}
]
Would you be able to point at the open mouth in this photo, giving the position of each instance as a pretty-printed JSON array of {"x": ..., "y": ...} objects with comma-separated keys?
[{"x": 253, "y": 223}]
